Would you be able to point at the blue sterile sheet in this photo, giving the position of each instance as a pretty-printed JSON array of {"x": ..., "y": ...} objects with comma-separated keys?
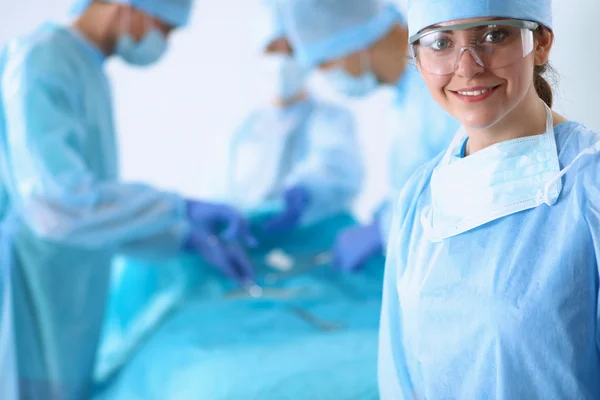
[{"x": 188, "y": 334}]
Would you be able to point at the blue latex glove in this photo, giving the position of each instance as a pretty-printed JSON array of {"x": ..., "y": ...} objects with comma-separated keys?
[
  {"x": 220, "y": 219},
  {"x": 227, "y": 257},
  {"x": 355, "y": 246},
  {"x": 297, "y": 200}
]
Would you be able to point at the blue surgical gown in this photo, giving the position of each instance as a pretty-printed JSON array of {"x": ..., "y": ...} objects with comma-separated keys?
[
  {"x": 8, "y": 384},
  {"x": 57, "y": 133},
  {"x": 419, "y": 130},
  {"x": 309, "y": 143},
  {"x": 508, "y": 310}
]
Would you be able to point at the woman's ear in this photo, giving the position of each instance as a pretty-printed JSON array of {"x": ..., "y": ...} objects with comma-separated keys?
[{"x": 544, "y": 39}]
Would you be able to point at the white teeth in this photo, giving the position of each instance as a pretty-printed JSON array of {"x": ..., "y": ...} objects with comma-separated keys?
[{"x": 475, "y": 93}]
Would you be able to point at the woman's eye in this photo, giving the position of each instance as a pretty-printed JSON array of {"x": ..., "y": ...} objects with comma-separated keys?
[
  {"x": 440, "y": 44},
  {"x": 495, "y": 36}
]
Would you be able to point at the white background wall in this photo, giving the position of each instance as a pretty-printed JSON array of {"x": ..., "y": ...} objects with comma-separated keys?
[{"x": 175, "y": 119}]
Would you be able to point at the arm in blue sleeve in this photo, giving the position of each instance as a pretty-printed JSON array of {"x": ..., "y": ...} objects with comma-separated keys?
[
  {"x": 333, "y": 172},
  {"x": 393, "y": 376},
  {"x": 53, "y": 187},
  {"x": 591, "y": 210}
]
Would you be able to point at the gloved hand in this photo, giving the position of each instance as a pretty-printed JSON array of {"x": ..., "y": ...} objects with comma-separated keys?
[
  {"x": 297, "y": 200},
  {"x": 221, "y": 220},
  {"x": 227, "y": 257},
  {"x": 355, "y": 246}
]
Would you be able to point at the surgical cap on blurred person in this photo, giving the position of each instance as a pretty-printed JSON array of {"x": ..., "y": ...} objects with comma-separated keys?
[
  {"x": 323, "y": 30},
  {"x": 173, "y": 12},
  {"x": 268, "y": 26}
]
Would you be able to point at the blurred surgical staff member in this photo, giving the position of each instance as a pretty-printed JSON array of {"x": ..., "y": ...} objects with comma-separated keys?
[
  {"x": 73, "y": 214},
  {"x": 359, "y": 46},
  {"x": 491, "y": 282},
  {"x": 298, "y": 149}
]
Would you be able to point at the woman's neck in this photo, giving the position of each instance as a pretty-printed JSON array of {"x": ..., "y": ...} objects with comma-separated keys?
[{"x": 526, "y": 119}]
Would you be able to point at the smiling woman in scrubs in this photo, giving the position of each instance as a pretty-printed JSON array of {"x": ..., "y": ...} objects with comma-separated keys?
[{"x": 491, "y": 286}]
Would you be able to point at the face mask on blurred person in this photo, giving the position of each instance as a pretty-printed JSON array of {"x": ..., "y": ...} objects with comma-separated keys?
[
  {"x": 147, "y": 51},
  {"x": 353, "y": 86},
  {"x": 286, "y": 77}
]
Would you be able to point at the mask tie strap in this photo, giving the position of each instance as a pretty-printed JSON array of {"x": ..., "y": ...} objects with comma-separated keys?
[
  {"x": 432, "y": 233},
  {"x": 595, "y": 149}
]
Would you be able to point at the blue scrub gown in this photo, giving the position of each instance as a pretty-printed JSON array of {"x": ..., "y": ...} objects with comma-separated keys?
[
  {"x": 508, "y": 310},
  {"x": 310, "y": 143},
  {"x": 8, "y": 365},
  {"x": 57, "y": 133}
]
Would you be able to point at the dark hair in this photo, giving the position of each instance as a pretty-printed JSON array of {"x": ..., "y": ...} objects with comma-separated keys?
[
  {"x": 541, "y": 84},
  {"x": 542, "y": 87}
]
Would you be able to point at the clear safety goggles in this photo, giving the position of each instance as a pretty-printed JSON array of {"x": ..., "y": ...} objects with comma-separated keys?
[{"x": 492, "y": 44}]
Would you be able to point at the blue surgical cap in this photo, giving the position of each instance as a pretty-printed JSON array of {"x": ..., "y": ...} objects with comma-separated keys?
[
  {"x": 172, "y": 12},
  {"x": 424, "y": 13},
  {"x": 323, "y": 30},
  {"x": 269, "y": 24}
]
